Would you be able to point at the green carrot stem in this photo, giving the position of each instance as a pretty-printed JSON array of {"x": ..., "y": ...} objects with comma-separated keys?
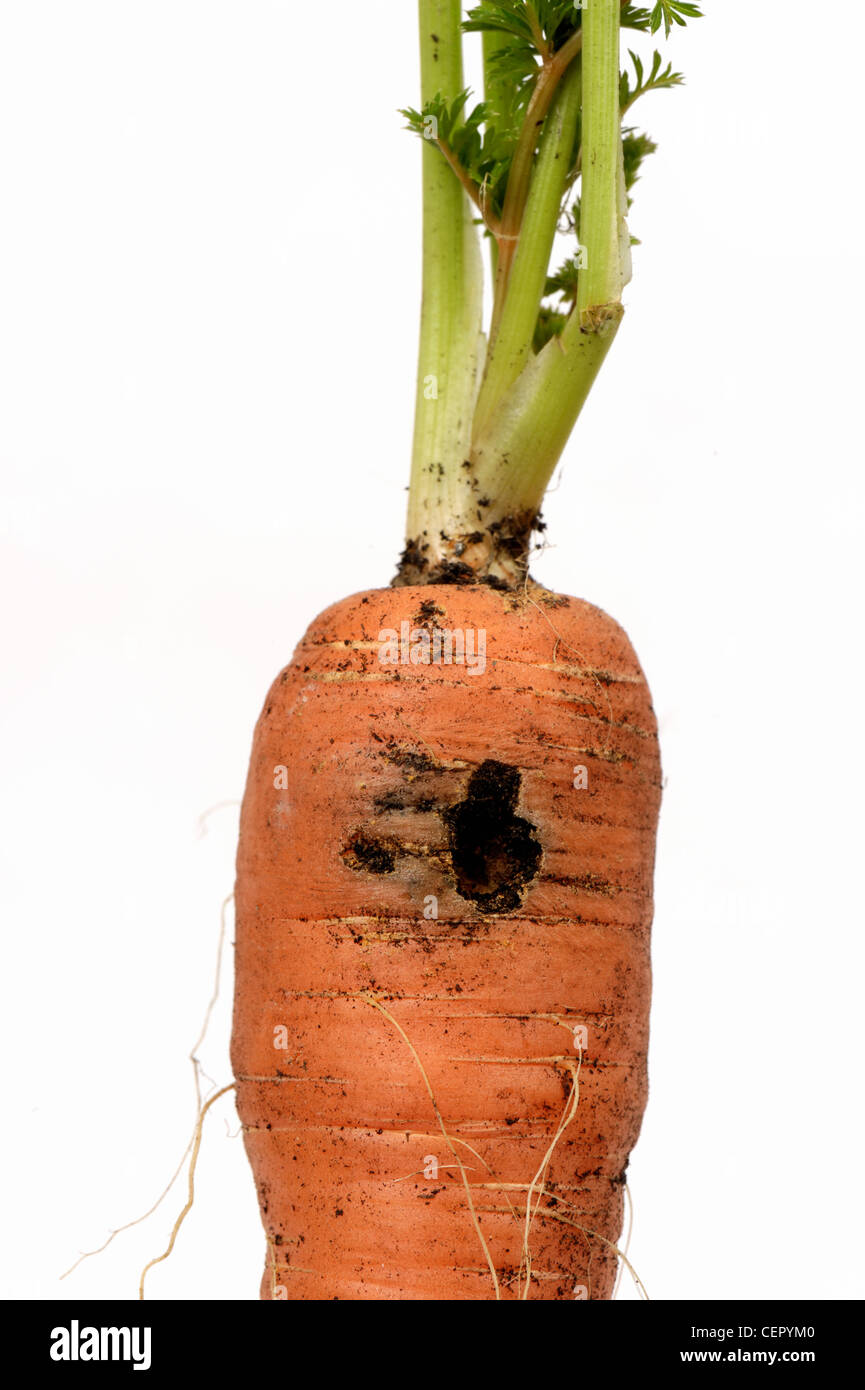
[
  {"x": 601, "y": 281},
  {"x": 451, "y": 316},
  {"x": 516, "y": 445},
  {"x": 513, "y": 343},
  {"x": 520, "y": 177},
  {"x": 514, "y": 459}
]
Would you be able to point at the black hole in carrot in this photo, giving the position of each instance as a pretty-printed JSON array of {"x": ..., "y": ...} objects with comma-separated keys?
[{"x": 495, "y": 853}]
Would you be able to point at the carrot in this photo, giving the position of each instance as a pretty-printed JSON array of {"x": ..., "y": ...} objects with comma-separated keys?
[
  {"x": 444, "y": 874},
  {"x": 435, "y": 943}
]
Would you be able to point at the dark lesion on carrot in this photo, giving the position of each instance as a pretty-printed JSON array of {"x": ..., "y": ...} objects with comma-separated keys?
[
  {"x": 389, "y": 801},
  {"x": 410, "y": 760},
  {"x": 585, "y": 883},
  {"x": 495, "y": 853},
  {"x": 491, "y": 854},
  {"x": 368, "y": 854}
]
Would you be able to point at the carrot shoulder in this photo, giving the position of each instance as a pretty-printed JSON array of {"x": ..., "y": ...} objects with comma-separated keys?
[{"x": 444, "y": 896}]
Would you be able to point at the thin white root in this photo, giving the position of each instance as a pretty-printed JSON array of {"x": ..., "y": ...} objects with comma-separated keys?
[
  {"x": 630, "y": 1205},
  {"x": 193, "y": 1054},
  {"x": 190, "y": 1198},
  {"x": 419, "y": 1173},
  {"x": 370, "y": 999},
  {"x": 540, "y": 1177},
  {"x": 205, "y": 815},
  {"x": 596, "y": 1235},
  {"x": 535, "y": 1190},
  {"x": 197, "y": 1073}
]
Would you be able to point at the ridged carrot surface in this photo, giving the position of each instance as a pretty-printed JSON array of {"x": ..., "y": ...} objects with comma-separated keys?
[{"x": 444, "y": 899}]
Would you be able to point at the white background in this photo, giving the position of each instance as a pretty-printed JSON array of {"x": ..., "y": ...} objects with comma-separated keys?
[{"x": 209, "y": 283}]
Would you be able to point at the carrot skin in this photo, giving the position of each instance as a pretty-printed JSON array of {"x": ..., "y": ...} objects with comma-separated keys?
[{"x": 440, "y": 901}]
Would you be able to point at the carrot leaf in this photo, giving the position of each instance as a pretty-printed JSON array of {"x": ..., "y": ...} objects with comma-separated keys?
[
  {"x": 670, "y": 12},
  {"x": 545, "y": 25},
  {"x": 636, "y": 146},
  {"x": 655, "y": 80},
  {"x": 478, "y": 151}
]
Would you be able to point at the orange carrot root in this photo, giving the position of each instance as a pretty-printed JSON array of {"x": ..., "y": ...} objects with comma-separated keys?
[{"x": 444, "y": 897}]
